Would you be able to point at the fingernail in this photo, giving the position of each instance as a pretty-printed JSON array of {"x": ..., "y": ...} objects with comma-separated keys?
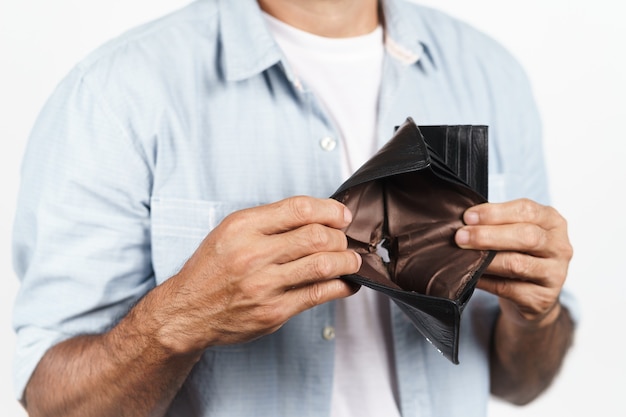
[
  {"x": 347, "y": 215},
  {"x": 359, "y": 260},
  {"x": 462, "y": 237},
  {"x": 471, "y": 217}
]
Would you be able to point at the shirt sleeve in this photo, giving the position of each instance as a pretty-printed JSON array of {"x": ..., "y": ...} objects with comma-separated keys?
[
  {"x": 529, "y": 176},
  {"x": 81, "y": 244},
  {"x": 521, "y": 147}
]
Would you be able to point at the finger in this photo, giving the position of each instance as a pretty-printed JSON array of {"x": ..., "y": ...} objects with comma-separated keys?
[
  {"x": 517, "y": 211},
  {"x": 303, "y": 298},
  {"x": 297, "y": 211},
  {"x": 514, "y": 265},
  {"x": 503, "y": 287},
  {"x": 523, "y": 237},
  {"x": 305, "y": 283},
  {"x": 530, "y": 300},
  {"x": 317, "y": 267},
  {"x": 304, "y": 241}
]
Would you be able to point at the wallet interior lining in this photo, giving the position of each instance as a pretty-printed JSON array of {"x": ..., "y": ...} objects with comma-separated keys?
[{"x": 417, "y": 218}]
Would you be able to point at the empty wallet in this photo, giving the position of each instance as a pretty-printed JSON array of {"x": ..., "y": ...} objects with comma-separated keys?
[{"x": 407, "y": 203}]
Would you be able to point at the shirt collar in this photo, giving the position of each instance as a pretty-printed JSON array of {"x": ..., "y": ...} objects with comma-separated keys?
[
  {"x": 248, "y": 48},
  {"x": 407, "y": 38}
]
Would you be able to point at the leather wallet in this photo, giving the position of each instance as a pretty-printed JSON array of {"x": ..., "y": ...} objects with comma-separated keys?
[{"x": 407, "y": 202}]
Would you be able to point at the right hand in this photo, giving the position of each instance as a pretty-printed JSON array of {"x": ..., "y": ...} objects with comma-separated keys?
[{"x": 255, "y": 270}]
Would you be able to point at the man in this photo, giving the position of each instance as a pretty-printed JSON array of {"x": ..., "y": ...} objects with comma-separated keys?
[{"x": 168, "y": 269}]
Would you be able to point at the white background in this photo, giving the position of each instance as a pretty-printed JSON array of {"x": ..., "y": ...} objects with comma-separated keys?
[{"x": 573, "y": 51}]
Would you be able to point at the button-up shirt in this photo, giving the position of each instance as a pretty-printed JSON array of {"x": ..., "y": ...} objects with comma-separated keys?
[{"x": 158, "y": 135}]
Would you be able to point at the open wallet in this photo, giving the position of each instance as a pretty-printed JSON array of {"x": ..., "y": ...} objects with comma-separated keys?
[{"x": 407, "y": 203}]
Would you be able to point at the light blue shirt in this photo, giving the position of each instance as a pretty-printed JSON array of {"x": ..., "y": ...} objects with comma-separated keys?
[{"x": 154, "y": 138}]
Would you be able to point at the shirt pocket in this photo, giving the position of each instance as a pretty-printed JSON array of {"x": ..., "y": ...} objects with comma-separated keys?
[{"x": 178, "y": 228}]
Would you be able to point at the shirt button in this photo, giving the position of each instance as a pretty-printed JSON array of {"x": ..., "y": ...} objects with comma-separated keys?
[
  {"x": 328, "y": 333},
  {"x": 328, "y": 144}
]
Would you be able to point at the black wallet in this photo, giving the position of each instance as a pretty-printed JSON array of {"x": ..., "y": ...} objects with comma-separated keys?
[{"x": 407, "y": 202}]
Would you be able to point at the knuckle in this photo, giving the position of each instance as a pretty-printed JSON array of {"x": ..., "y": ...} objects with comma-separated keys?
[
  {"x": 564, "y": 249},
  {"x": 234, "y": 221},
  {"x": 318, "y": 237},
  {"x": 528, "y": 209},
  {"x": 323, "y": 266},
  {"x": 531, "y": 236},
  {"x": 502, "y": 288},
  {"x": 314, "y": 296},
  {"x": 564, "y": 246},
  {"x": 539, "y": 302},
  {"x": 301, "y": 208},
  {"x": 250, "y": 288},
  {"x": 557, "y": 219},
  {"x": 243, "y": 260},
  {"x": 271, "y": 316},
  {"x": 519, "y": 265},
  {"x": 554, "y": 213},
  {"x": 557, "y": 275},
  {"x": 568, "y": 251}
]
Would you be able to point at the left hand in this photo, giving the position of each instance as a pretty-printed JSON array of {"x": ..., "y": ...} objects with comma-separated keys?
[{"x": 534, "y": 252}]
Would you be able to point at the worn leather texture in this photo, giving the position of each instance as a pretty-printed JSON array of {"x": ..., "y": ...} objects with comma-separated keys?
[{"x": 407, "y": 202}]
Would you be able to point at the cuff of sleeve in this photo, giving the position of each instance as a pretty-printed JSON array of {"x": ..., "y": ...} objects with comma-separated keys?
[
  {"x": 569, "y": 301},
  {"x": 32, "y": 344}
]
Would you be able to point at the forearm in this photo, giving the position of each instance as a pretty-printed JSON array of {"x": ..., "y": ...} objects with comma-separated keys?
[
  {"x": 124, "y": 372},
  {"x": 286, "y": 259},
  {"x": 525, "y": 359}
]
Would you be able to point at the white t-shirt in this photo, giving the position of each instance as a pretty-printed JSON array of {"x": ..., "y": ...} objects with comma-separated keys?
[{"x": 344, "y": 74}]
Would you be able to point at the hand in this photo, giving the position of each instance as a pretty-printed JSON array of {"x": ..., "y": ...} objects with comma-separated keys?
[
  {"x": 255, "y": 270},
  {"x": 533, "y": 256}
]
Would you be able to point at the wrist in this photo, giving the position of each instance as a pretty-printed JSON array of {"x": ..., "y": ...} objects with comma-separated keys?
[
  {"x": 159, "y": 321},
  {"x": 551, "y": 316},
  {"x": 511, "y": 314}
]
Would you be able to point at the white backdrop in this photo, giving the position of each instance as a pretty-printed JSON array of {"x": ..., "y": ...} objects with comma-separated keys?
[{"x": 572, "y": 50}]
